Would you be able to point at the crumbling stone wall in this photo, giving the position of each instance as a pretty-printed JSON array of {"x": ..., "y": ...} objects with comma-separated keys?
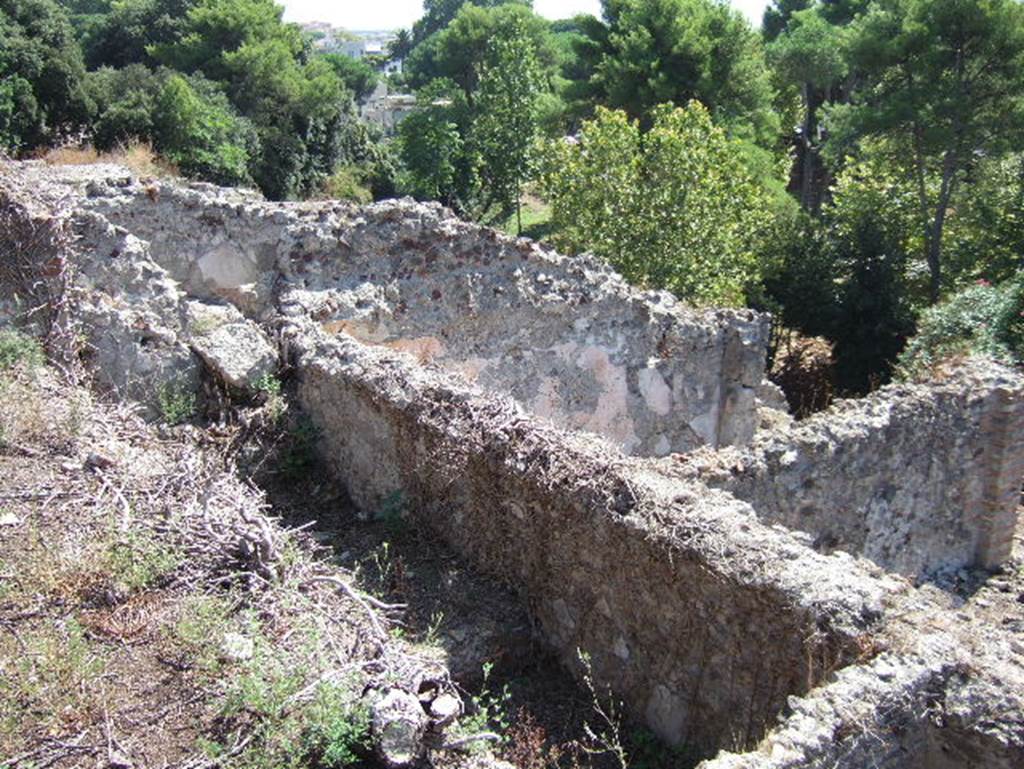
[
  {"x": 612, "y": 561},
  {"x": 566, "y": 337},
  {"x": 918, "y": 478},
  {"x": 442, "y": 362}
]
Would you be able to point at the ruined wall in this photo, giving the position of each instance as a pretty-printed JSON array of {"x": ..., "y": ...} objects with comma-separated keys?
[
  {"x": 410, "y": 333},
  {"x": 698, "y": 616},
  {"x": 918, "y": 478},
  {"x": 567, "y": 338}
]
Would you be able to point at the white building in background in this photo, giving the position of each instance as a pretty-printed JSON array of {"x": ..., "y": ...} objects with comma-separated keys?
[{"x": 387, "y": 110}]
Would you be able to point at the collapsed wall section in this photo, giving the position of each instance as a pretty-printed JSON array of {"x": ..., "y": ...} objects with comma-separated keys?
[
  {"x": 918, "y": 478},
  {"x": 698, "y": 616}
]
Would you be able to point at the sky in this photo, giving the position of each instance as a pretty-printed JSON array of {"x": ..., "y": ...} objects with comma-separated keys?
[{"x": 391, "y": 14}]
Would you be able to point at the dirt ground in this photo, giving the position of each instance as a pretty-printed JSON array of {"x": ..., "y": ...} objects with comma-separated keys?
[{"x": 115, "y": 609}]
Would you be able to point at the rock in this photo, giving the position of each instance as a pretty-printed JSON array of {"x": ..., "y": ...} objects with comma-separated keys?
[
  {"x": 236, "y": 648},
  {"x": 9, "y": 519},
  {"x": 399, "y": 724},
  {"x": 238, "y": 352},
  {"x": 445, "y": 708},
  {"x": 97, "y": 461}
]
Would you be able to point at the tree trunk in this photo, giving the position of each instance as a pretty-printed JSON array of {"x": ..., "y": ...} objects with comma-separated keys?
[
  {"x": 519, "y": 211},
  {"x": 938, "y": 224}
]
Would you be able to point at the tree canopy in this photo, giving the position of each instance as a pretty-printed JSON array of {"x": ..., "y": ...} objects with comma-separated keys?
[
  {"x": 673, "y": 207},
  {"x": 649, "y": 52}
]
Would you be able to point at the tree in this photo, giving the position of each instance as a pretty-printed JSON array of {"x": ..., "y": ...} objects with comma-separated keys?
[
  {"x": 808, "y": 52},
  {"x": 505, "y": 127},
  {"x": 116, "y": 34},
  {"x": 400, "y": 47},
  {"x": 201, "y": 134},
  {"x": 986, "y": 237},
  {"x": 432, "y": 148},
  {"x": 648, "y": 52},
  {"x": 358, "y": 76},
  {"x": 946, "y": 79},
  {"x": 42, "y": 91},
  {"x": 846, "y": 275},
  {"x": 672, "y": 208},
  {"x": 438, "y": 14},
  {"x": 299, "y": 107},
  {"x": 458, "y": 51}
]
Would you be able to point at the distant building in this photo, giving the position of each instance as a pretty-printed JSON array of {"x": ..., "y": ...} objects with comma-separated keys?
[{"x": 387, "y": 110}]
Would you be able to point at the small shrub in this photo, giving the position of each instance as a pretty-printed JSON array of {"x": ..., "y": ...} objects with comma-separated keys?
[
  {"x": 346, "y": 183},
  {"x": 488, "y": 711},
  {"x": 17, "y": 349},
  {"x": 269, "y": 386},
  {"x": 336, "y": 730},
  {"x": 176, "y": 402},
  {"x": 137, "y": 561},
  {"x": 199, "y": 629},
  {"x": 980, "y": 320}
]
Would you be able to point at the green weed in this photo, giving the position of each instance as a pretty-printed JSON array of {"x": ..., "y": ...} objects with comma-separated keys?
[
  {"x": 176, "y": 402},
  {"x": 19, "y": 350}
]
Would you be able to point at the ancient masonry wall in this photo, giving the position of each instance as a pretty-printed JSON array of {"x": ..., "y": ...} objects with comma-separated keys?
[
  {"x": 520, "y": 401},
  {"x": 566, "y": 337},
  {"x": 918, "y": 478},
  {"x": 612, "y": 560}
]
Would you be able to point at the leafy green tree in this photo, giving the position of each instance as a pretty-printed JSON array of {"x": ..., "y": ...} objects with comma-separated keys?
[
  {"x": 299, "y": 107},
  {"x": 358, "y": 76},
  {"x": 400, "y": 47},
  {"x": 945, "y": 78},
  {"x": 986, "y": 236},
  {"x": 201, "y": 134},
  {"x": 42, "y": 92},
  {"x": 438, "y": 14},
  {"x": 808, "y": 52},
  {"x": 432, "y": 147},
  {"x": 119, "y": 33},
  {"x": 848, "y": 274},
  {"x": 125, "y": 100},
  {"x": 649, "y": 52},
  {"x": 458, "y": 51},
  {"x": 779, "y": 13},
  {"x": 672, "y": 208},
  {"x": 505, "y": 127},
  {"x": 189, "y": 121}
]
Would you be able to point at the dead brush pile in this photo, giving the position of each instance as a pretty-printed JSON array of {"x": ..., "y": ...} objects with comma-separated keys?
[{"x": 154, "y": 613}]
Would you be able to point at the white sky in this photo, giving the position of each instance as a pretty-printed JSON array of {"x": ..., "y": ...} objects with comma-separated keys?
[{"x": 392, "y": 14}]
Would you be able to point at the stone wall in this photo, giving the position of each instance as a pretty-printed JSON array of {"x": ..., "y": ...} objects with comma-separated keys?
[
  {"x": 566, "y": 337},
  {"x": 918, "y": 478},
  {"x": 443, "y": 364},
  {"x": 699, "y": 617}
]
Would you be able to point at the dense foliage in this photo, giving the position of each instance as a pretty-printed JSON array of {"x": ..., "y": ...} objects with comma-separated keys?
[
  {"x": 980, "y": 319},
  {"x": 671, "y": 208},
  {"x": 649, "y": 52}
]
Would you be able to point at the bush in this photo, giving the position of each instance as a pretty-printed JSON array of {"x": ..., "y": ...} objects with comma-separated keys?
[
  {"x": 18, "y": 350},
  {"x": 980, "y": 320},
  {"x": 347, "y": 183}
]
